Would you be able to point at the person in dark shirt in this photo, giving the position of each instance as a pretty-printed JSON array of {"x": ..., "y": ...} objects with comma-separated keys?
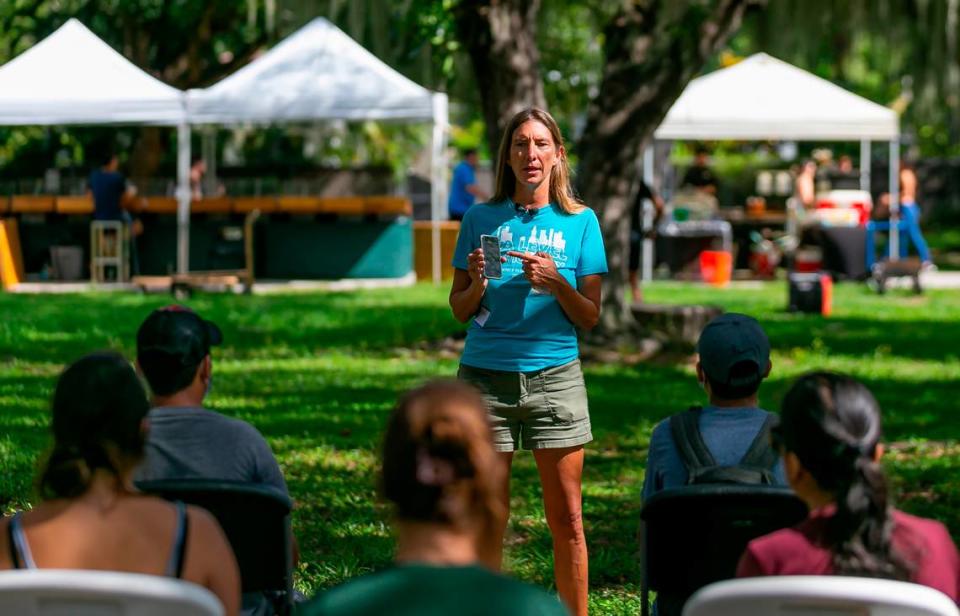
[
  {"x": 636, "y": 234},
  {"x": 110, "y": 192},
  {"x": 699, "y": 175},
  {"x": 844, "y": 177},
  {"x": 108, "y": 188},
  {"x": 829, "y": 437}
]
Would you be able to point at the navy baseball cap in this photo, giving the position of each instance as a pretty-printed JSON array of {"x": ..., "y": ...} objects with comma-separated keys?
[
  {"x": 729, "y": 339},
  {"x": 177, "y": 332}
]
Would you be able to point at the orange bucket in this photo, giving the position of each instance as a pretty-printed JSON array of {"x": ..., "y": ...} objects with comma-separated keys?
[{"x": 716, "y": 267}]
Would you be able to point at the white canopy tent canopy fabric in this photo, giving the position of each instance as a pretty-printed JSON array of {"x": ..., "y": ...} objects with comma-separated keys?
[
  {"x": 320, "y": 73},
  {"x": 763, "y": 98},
  {"x": 73, "y": 77}
]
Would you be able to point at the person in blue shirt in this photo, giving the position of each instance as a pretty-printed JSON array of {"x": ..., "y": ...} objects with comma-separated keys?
[
  {"x": 521, "y": 348},
  {"x": 464, "y": 190},
  {"x": 734, "y": 358},
  {"x": 110, "y": 193},
  {"x": 108, "y": 188}
]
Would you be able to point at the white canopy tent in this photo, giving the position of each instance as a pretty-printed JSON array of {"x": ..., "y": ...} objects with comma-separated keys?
[
  {"x": 320, "y": 73},
  {"x": 763, "y": 98},
  {"x": 73, "y": 77}
]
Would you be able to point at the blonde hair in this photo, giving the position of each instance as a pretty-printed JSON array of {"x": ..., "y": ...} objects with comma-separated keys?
[{"x": 561, "y": 191}]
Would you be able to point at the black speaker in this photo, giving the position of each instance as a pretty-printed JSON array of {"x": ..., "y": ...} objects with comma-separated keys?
[{"x": 810, "y": 292}]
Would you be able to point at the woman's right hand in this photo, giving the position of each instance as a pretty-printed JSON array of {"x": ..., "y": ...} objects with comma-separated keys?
[{"x": 475, "y": 268}]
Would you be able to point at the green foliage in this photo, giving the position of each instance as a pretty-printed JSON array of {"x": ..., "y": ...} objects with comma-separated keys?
[{"x": 317, "y": 374}]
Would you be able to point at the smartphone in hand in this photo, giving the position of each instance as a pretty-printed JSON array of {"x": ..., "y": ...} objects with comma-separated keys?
[{"x": 492, "y": 268}]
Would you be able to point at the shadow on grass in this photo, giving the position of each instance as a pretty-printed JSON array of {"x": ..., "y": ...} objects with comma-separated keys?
[{"x": 923, "y": 339}]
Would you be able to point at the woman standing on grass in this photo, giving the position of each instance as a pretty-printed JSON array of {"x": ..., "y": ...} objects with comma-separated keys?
[
  {"x": 440, "y": 474},
  {"x": 829, "y": 436},
  {"x": 521, "y": 349},
  {"x": 90, "y": 516}
]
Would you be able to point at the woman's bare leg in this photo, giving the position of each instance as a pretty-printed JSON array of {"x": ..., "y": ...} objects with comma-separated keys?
[{"x": 561, "y": 471}]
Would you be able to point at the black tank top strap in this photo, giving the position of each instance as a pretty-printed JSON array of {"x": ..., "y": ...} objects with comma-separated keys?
[{"x": 179, "y": 547}]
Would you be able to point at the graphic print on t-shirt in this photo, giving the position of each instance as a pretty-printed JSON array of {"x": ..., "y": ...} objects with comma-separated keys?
[{"x": 540, "y": 239}]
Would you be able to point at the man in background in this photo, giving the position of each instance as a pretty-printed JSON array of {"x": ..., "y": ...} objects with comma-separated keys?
[
  {"x": 636, "y": 235},
  {"x": 699, "y": 175},
  {"x": 110, "y": 193},
  {"x": 464, "y": 190}
]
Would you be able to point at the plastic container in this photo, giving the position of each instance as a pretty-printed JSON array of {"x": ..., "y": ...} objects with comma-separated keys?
[
  {"x": 716, "y": 267},
  {"x": 67, "y": 262}
]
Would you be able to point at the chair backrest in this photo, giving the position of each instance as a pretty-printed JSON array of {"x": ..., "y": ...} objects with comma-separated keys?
[
  {"x": 61, "y": 592},
  {"x": 811, "y": 595},
  {"x": 255, "y": 519},
  {"x": 695, "y": 535}
]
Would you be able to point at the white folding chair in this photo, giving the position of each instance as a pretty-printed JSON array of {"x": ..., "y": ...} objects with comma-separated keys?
[
  {"x": 818, "y": 595},
  {"x": 69, "y": 592}
]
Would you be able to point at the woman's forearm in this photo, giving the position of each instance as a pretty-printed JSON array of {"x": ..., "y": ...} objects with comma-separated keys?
[
  {"x": 466, "y": 303},
  {"x": 580, "y": 310}
]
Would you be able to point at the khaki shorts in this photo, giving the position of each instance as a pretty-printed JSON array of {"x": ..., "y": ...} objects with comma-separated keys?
[{"x": 546, "y": 409}]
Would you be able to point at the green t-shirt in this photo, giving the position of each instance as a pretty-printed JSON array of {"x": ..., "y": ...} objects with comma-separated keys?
[{"x": 424, "y": 590}]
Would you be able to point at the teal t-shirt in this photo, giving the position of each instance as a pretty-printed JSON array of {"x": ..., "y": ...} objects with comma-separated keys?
[
  {"x": 517, "y": 329},
  {"x": 424, "y": 590}
]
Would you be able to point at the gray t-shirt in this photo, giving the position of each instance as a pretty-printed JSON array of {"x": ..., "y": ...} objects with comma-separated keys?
[{"x": 197, "y": 443}]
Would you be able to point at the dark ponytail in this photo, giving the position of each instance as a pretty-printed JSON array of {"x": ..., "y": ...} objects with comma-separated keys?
[
  {"x": 98, "y": 407},
  {"x": 832, "y": 424}
]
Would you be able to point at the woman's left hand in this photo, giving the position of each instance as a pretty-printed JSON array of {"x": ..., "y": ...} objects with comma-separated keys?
[{"x": 540, "y": 269}]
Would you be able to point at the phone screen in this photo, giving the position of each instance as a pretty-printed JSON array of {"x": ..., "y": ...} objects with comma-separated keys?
[{"x": 491, "y": 256}]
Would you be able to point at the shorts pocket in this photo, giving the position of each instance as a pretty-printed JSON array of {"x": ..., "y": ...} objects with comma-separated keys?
[
  {"x": 493, "y": 385},
  {"x": 565, "y": 393}
]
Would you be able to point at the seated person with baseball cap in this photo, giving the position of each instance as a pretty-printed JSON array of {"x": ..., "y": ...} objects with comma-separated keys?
[
  {"x": 726, "y": 441},
  {"x": 185, "y": 440}
]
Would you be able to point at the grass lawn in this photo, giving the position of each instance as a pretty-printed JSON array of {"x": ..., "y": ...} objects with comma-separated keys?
[{"x": 317, "y": 374}]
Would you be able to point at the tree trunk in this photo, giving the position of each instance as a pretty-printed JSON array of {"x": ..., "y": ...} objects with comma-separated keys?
[
  {"x": 653, "y": 48},
  {"x": 500, "y": 37}
]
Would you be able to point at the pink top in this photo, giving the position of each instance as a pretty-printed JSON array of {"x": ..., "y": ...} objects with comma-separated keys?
[{"x": 798, "y": 551}]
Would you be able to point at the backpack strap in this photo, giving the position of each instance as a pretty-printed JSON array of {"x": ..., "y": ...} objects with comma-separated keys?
[
  {"x": 761, "y": 454},
  {"x": 685, "y": 428}
]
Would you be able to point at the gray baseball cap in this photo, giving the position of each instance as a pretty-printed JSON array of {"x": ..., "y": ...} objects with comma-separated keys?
[{"x": 728, "y": 340}]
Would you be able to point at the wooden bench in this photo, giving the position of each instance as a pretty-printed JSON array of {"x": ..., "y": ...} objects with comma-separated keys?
[
  {"x": 32, "y": 204},
  {"x": 74, "y": 205},
  {"x": 211, "y": 205}
]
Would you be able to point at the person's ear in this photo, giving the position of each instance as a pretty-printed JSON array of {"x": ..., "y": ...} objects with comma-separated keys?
[
  {"x": 769, "y": 368},
  {"x": 793, "y": 469},
  {"x": 206, "y": 369},
  {"x": 561, "y": 152},
  {"x": 144, "y": 428},
  {"x": 701, "y": 377},
  {"x": 878, "y": 452}
]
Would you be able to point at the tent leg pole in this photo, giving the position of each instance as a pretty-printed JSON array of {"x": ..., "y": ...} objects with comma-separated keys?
[
  {"x": 865, "y": 165},
  {"x": 183, "y": 198},
  {"x": 894, "y": 243},
  {"x": 646, "y": 242},
  {"x": 210, "y": 162},
  {"x": 438, "y": 189}
]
